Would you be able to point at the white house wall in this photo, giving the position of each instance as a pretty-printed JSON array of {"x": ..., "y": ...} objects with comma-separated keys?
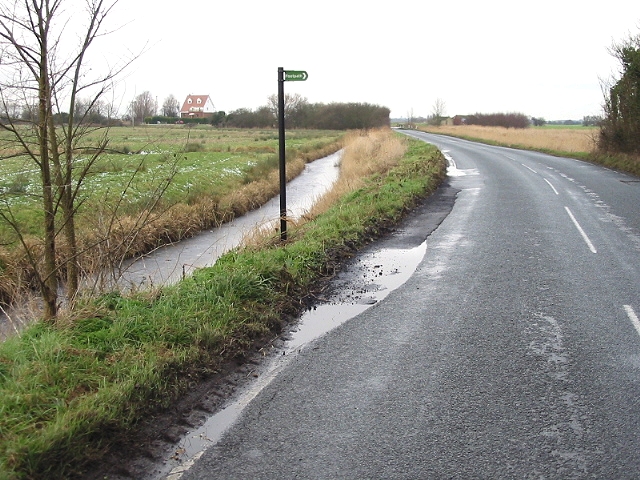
[{"x": 208, "y": 106}]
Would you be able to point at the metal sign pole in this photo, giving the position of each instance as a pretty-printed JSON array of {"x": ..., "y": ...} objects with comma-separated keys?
[
  {"x": 291, "y": 76},
  {"x": 283, "y": 173}
]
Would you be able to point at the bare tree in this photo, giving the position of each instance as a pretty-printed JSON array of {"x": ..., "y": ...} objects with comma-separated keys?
[
  {"x": 438, "y": 111},
  {"x": 410, "y": 119},
  {"x": 11, "y": 110},
  {"x": 170, "y": 106},
  {"x": 35, "y": 70},
  {"x": 144, "y": 105},
  {"x": 294, "y": 108},
  {"x": 92, "y": 111}
]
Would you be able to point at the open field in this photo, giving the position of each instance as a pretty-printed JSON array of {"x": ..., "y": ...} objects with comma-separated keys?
[
  {"x": 573, "y": 141},
  {"x": 206, "y": 177},
  {"x": 69, "y": 389},
  {"x": 202, "y": 161}
]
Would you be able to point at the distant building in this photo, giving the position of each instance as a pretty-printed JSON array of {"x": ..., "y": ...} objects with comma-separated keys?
[{"x": 197, "y": 106}]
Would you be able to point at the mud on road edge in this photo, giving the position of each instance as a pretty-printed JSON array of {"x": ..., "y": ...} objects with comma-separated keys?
[{"x": 151, "y": 448}]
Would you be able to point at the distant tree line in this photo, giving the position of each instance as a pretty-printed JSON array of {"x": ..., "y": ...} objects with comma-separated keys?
[
  {"x": 301, "y": 114},
  {"x": 620, "y": 127},
  {"x": 587, "y": 121},
  {"x": 507, "y": 120},
  {"x": 592, "y": 120}
]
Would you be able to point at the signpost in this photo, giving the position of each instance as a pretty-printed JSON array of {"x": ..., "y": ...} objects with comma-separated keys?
[
  {"x": 295, "y": 75},
  {"x": 284, "y": 76}
]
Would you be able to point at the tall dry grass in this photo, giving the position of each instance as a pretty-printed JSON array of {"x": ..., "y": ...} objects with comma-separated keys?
[
  {"x": 365, "y": 153},
  {"x": 572, "y": 140}
]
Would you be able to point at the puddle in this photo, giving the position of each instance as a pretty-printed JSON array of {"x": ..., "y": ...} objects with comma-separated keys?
[
  {"x": 362, "y": 284},
  {"x": 452, "y": 168}
]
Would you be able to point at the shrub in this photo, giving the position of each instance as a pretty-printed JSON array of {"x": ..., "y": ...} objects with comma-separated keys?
[
  {"x": 194, "y": 147},
  {"x": 620, "y": 129},
  {"x": 506, "y": 120}
]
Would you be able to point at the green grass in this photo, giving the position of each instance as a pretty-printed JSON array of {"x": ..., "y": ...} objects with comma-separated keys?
[
  {"x": 67, "y": 389},
  {"x": 207, "y": 162},
  {"x": 210, "y": 175},
  {"x": 548, "y": 126}
]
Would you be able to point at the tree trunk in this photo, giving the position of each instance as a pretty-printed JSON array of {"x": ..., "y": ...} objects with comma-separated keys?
[
  {"x": 49, "y": 279},
  {"x": 72, "y": 261}
]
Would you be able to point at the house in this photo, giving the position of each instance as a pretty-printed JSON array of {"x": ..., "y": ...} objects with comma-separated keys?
[{"x": 197, "y": 106}]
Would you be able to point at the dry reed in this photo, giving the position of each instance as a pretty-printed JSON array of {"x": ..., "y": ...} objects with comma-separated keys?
[
  {"x": 365, "y": 154},
  {"x": 573, "y": 140}
]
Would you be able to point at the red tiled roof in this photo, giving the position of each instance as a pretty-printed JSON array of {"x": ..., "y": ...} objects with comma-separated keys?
[{"x": 194, "y": 102}]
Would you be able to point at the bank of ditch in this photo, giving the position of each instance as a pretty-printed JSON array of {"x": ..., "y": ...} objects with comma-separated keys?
[
  {"x": 68, "y": 390},
  {"x": 112, "y": 228}
]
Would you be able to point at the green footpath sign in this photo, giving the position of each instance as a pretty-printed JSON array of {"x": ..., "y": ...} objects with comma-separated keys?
[{"x": 295, "y": 75}]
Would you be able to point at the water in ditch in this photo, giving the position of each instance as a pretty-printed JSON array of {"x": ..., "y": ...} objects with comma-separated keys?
[{"x": 171, "y": 263}]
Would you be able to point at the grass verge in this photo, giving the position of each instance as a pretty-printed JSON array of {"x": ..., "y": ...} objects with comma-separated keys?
[{"x": 66, "y": 390}]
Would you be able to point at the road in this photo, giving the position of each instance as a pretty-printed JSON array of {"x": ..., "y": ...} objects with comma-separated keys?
[{"x": 513, "y": 351}]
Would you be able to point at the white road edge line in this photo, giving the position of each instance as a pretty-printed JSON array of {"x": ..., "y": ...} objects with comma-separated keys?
[
  {"x": 633, "y": 317},
  {"x": 584, "y": 235},
  {"x": 450, "y": 160},
  {"x": 552, "y": 187},
  {"x": 529, "y": 168}
]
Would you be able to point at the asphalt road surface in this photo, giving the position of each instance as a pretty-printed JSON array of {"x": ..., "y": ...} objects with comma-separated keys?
[{"x": 512, "y": 352}]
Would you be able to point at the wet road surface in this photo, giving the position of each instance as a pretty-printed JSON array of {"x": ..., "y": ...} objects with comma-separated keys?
[{"x": 512, "y": 351}]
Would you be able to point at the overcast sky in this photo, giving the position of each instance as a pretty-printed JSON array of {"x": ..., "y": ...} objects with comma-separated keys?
[{"x": 541, "y": 58}]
